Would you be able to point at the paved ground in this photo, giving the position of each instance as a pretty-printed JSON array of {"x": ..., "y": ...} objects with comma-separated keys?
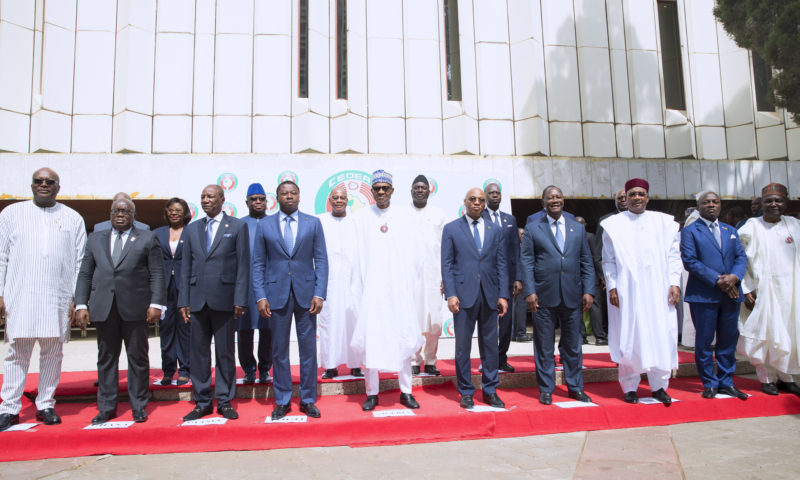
[{"x": 742, "y": 449}]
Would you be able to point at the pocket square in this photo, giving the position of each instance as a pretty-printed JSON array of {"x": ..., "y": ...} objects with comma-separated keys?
[
  {"x": 227, "y": 235},
  {"x": 733, "y": 236}
]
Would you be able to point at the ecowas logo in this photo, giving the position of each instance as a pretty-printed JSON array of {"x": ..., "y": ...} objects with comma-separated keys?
[
  {"x": 358, "y": 185},
  {"x": 229, "y": 209},
  {"x": 228, "y": 182},
  {"x": 288, "y": 175},
  {"x": 492, "y": 180},
  {"x": 193, "y": 209},
  {"x": 272, "y": 203},
  {"x": 434, "y": 185}
]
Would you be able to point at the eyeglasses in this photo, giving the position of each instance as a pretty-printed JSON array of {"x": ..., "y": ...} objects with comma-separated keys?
[
  {"x": 476, "y": 200},
  {"x": 121, "y": 211},
  {"x": 175, "y": 212},
  {"x": 43, "y": 181},
  {"x": 383, "y": 188}
]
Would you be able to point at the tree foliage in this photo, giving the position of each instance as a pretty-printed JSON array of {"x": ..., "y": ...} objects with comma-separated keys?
[{"x": 772, "y": 29}]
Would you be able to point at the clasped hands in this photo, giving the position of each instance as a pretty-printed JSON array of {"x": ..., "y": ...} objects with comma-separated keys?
[{"x": 729, "y": 283}]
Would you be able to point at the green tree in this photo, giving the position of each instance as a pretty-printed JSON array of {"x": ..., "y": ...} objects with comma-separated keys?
[{"x": 772, "y": 29}]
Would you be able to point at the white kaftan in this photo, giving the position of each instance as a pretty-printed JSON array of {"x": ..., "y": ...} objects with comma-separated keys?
[
  {"x": 429, "y": 223},
  {"x": 337, "y": 320}
]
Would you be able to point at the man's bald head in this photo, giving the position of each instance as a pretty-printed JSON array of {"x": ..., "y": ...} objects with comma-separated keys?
[
  {"x": 474, "y": 203},
  {"x": 338, "y": 201},
  {"x": 45, "y": 185},
  {"x": 121, "y": 195}
]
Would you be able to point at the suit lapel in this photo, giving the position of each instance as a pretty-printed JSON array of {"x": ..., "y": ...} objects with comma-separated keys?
[
  {"x": 544, "y": 225},
  {"x": 132, "y": 236},
  {"x": 704, "y": 228},
  {"x": 465, "y": 227},
  {"x": 725, "y": 237},
  {"x": 302, "y": 230},
  {"x": 222, "y": 229},
  {"x": 105, "y": 244},
  {"x": 491, "y": 230},
  {"x": 277, "y": 219}
]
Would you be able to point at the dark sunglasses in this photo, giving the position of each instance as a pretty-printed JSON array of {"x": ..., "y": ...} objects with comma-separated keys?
[
  {"x": 40, "y": 181},
  {"x": 382, "y": 188}
]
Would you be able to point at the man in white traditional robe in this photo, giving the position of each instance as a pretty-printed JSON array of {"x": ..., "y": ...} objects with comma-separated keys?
[
  {"x": 429, "y": 222},
  {"x": 337, "y": 321},
  {"x": 769, "y": 326},
  {"x": 387, "y": 333},
  {"x": 642, "y": 267},
  {"x": 41, "y": 248}
]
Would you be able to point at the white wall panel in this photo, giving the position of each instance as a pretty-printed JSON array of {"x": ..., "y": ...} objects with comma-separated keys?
[
  {"x": 385, "y": 19},
  {"x": 624, "y": 141},
  {"x": 710, "y": 142},
  {"x": 136, "y": 13},
  {"x": 706, "y": 92},
  {"x": 50, "y": 132},
  {"x": 597, "y": 102},
  {"x": 648, "y": 141},
  {"x": 727, "y": 178},
  {"x": 558, "y": 22},
  {"x": 497, "y": 137},
  {"x": 91, "y": 133},
  {"x": 272, "y": 77},
  {"x": 273, "y": 18},
  {"x": 175, "y": 16},
  {"x": 741, "y": 141},
  {"x": 422, "y": 83},
  {"x": 532, "y": 136},
  {"x": 16, "y": 45},
  {"x": 524, "y": 20},
  {"x": 601, "y": 178},
  {"x": 674, "y": 171},
  {"x": 744, "y": 179},
  {"x": 679, "y": 141},
  {"x": 232, "y": 133},
  {"x": 172, "y": 134},
  {"x": 203, "y": 95},
  {"x": 491, "y": 20},
  {"x": 701, "y": 26},
  {"x": 18, "y": 12},
  {"x": 58, "y": 68},
  {"x": 599, "y": 140},
  {"x": 528, "y": 80},
  {"x": 202, "y": 134},
  {"x": 645, "y": 86},
  {"x": 387, "y": 135},
  {"x": 494, "y": 81},
  {"x": 97, "y": 15},
  {"x": 424, "y": 136},
  {"x": 94, "y": 73},
  {"x": 349, "y": 134},
  {"x": 640, "y": 24},
  {"x": 793, "y": 143},
  {"x": 771, "y": 142},
  {"x": 460, "y": 135},
  {"x": 566, "y": 139},
  {"x": 590, "y": 23},
  {"x": 131, "y": 132},
  {"x": 271, "y": 134},
  {"x": 133, "y": 78},
  {"x": 581, "y": 179},
  {"x": 310, "y": 133},
  {"x": 385, "y": 76},
  {"x": 657, "y": 178},
  {"x": 562, "y": 84},
  {"x": 233, "y": 75},
  {"x": 174, "y": 73}
]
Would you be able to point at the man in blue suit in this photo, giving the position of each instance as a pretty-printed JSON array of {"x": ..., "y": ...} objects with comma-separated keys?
[
  {"x": 290, "y": 277},
  {"x": 716, "y": 262},
  {"x": 558, "y": 285},
  {"x": 475, "y": 280},
  {"x": 215, "y": 279}
]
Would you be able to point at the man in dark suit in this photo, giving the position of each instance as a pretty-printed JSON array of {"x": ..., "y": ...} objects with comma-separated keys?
[
  {"x": 122, "y": 281},
  {"x": 475, "y": 280},
  {"x": 716, "y": 262},
  {"x": 621, "y": 205},
  {"x": 106, "y": 224},
  {"x": 508, "y": 227},
  {"x": 558, "y": 281},
  {"x": 215, "y": 279},
  {"x": 596, "y": 312},
  {"x": 290, "y": 277}
]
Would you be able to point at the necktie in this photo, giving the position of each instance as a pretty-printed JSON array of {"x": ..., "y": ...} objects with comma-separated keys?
[
  {"x": 209, "y": 234},
  {"x": 476, "y": 235},
  {"x": 715, "y": 231},
  {"x": 116, "y": 252},
  {"x": 559, "y": 237},
  {"x": 288, "y": 237},
  {"x": 497, "y": 219}
]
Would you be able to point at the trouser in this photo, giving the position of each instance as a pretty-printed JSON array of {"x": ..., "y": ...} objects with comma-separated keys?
[
  {"x": 485, "y": 315},
  {"x": 111, "y": 333},
  {"x": 372, "y": 381},
  {"x": 306, "y": 329},
  {"x": 629, "y": 378},
  {"x": 15, "y": 368},
  {"x": 245, "y": 348},
  {"x": 721, "y": 320},
  {"x": 569, "y": 346},
  {"x": 208, "y": 324},
  {"x": 175, "y": 336},
  {"x": 427, "y": 353},
  {"x": 596, "y": 321},
  {"x": 768, "y": 374},
  {"x": 519, "y": 316},
  {"x": 504, "y": 327}
]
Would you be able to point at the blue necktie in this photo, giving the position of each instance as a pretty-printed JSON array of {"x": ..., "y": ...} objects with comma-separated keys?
[
  {"x": 209, "y": 234},
  {"x": 497, "y": 219},
  {"x": 288, "y": 237},
  {"x": 715, "y": 231},
  {"x": 559, "y": 237},
  {"x": 476, "y": 235}
]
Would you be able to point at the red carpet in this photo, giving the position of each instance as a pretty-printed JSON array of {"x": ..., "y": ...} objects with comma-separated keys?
[
  {"x": 82, "y": 383},
  {"x": 343, "y": 422}
]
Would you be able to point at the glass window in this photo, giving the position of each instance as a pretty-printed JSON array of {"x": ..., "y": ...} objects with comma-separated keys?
[
  {"x": 452, "y": 50},
  {"x": 341, "y": 49},
  {"x": 762, "y": 74},
  {"x": 671, "y": 55},
  {"x": 302, "y": 51}
]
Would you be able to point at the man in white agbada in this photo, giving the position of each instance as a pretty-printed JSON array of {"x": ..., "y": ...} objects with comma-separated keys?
[
  {"x": 387, "y": 333},
  {"x": 642, "y": 267},
  {"x": 41, "y": 248},
  {"x": 769, "y": 326},
  {"x": 337, "y": 320},
  {"x": 429, "y": 222}
]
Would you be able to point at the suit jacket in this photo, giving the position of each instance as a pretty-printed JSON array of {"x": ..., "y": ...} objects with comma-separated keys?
[
  {"x": 465, "y": 272},
  {"x": 596, "y": 249},
  {"x": 172, "y": 264},
  {"x": 219, "y": 278},
  {"x": 99, "y": 227},
  {"x": 277, "y": 273},
  {"x": 136, "y": 281},
  {"x": 554, "y": 275},
  {"x": 704, "y": 260},
  {"x": 511, "y": 238}
]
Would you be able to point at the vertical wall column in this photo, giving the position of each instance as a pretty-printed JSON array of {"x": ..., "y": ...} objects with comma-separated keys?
[
  {"x": 460, "y": 117},
  {"x": 619, "y": 80},
  {"x": 310, "y": 123},
  {"x": 348, "y": 124},
  {"x": 205, "y": 27},
  {"x": 16, "y": 58}
]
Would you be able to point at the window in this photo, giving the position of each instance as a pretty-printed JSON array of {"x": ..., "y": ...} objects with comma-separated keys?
[
  {"x": 671, "y": 55},
  {"x": 341, "y": 49},
  {"x": 452, "y": 50},
  {"x": 762, "y": 74},
  {"x": 302, "y": 51}
]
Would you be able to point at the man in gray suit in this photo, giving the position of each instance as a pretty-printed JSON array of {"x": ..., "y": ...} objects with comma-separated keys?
[
  {"x": 558, "y": 281},
  {"x": 214, "y": 284},
  {"x": 106, "y": 225},
  {"x": 122, "y": 282}
]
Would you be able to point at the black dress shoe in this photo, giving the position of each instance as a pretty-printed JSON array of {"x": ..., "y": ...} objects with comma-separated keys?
[
  {"x": 522, "y": 338},
  {"x": 280, "y": 411},
  {"x": 661, "y": 396},
  {"x": 356, "y": 372},
  {"x": 370, "y": 403},
  {"x": 579, "y": 396},
  {"x": 310, "y": 410},
  {"x": 546, "y": 398},
  {"x": 103, "y": 417},
  {"x": 585, "y": 341},
  {"x": 408, "y": 400},
  {"x": 601, "y": 341},
  {"x": 249, "y": 377},
  {"x": 330, "y": 373},
  {"x": 493, "y": 400},
  {"x": 198, "y": 413},
  {"x": 264, "y": 378},
  {"x": 227, "y": 411},
  {"x": 182, "y": 381},
  {"x": 769, "y": 388},
  {"x": 139, "y": 416},
  {"x": 505, "y": 367},
  {"x": 709, "y": 392},
  {"x": 788, "y": 387},
  {"x": 96, "y": 383},
  {"x": 631, "y": 397},
  {"x": 733, "y": 392},
  {"x": 466, "y": 401},
  {"x": 432, "y": 370},
  {"x": 414, "y": 369},
  {"x": 166, "y": 380},
  {"x": 7, "y": 420},
  {"x": 48, "y": 416}
]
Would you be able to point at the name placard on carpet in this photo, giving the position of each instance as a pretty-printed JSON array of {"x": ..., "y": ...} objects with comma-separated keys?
[
  {"x": 401, "y": 412},
  {"x": 575, "y": 404},
  {"x": 204, "y": 421},
  {"x": 653, "y": 401},
  {"x": 485, "y": 408},
  {"x": 289, "y": 419},
  {"x": 108, "y": 425},
  {"x": 20, "y": 427}
]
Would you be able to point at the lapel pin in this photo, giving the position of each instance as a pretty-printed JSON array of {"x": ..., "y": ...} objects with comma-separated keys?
[
  {"x": 133, "y": 239},
  {"x": 226, "y": 225}
]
